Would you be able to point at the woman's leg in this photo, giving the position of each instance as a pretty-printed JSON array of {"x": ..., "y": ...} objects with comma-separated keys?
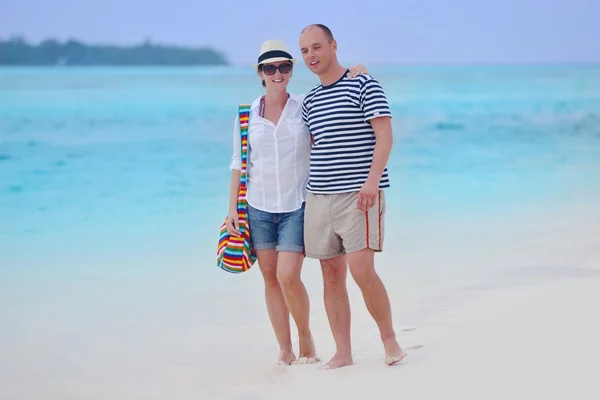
[
  {"x": 263, "y": 232},
  {"x": 289, "y": 266},
  {"x": 276, "y": 306}
]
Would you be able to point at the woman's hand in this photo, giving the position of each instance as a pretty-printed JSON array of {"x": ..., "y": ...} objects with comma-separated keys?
[
  {"x": 233, "y": 224},
  {"x": 356, "y": 70}
]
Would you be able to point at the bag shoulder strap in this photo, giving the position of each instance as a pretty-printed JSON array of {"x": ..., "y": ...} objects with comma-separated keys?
[
  {"x": 244, "y": 113},
  {"x": 244, "y": 117}
]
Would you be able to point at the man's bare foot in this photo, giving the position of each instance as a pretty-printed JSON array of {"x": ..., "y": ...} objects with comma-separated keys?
[
  {"x": 393, "y": 352},
  {"x": 286, "y": 357},
  {"x": 338, "y": 361},
  {"x": 307, "y": 347}
]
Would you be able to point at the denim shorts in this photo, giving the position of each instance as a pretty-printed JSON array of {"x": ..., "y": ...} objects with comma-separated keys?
[{"x": 279, "y": 231}]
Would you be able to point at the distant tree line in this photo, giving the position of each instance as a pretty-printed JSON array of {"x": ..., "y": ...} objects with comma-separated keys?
[{"x": 16, "y": 51}]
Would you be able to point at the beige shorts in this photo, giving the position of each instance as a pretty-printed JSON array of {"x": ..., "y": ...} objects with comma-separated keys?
[{"x": 334, "y": 225}]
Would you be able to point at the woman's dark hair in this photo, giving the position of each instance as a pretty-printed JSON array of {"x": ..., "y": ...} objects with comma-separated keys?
[{"x": 260, "y": 67}]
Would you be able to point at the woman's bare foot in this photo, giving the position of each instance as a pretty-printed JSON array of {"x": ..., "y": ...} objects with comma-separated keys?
[
  {"x": 338, "y": 361},
  {"x": 286, "y": 357},
  {"x": 307, "y": 347},
  {"x": 393, "y": 352}
]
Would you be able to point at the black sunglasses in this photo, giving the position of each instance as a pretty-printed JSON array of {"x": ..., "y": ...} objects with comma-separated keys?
[{"x": 270, "y": 69}]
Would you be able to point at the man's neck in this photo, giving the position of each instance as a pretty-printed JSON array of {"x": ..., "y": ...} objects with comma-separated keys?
[{"x": 333, "y": 75}]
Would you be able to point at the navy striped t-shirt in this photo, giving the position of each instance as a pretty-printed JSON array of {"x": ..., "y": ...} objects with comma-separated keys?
[{"x": 343, "y": 140}]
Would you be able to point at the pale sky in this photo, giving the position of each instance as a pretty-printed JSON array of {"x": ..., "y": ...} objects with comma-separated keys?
[{"x": 371, "y": 32}]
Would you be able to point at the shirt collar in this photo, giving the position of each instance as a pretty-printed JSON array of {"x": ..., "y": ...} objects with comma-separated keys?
[{"x": 295, "y": 98}]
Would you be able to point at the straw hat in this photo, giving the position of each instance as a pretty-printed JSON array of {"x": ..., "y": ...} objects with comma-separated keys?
[{"x": 272, "y": 51}]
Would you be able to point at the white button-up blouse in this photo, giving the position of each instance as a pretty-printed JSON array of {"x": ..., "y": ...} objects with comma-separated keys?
[{"x": 278, "y": 158}]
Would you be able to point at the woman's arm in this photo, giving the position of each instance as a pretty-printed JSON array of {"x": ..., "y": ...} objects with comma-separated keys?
[
  {"x": 356, "y": 70},
  {"x": 233, "y": 224},
  {"x": 234, "y": 187}
]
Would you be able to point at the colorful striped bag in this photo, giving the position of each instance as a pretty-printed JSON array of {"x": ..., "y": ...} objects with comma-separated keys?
[{"x": 235, "y": 253}]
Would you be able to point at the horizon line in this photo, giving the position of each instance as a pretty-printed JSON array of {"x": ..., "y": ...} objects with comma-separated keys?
[{"x": 224, "y": 53}]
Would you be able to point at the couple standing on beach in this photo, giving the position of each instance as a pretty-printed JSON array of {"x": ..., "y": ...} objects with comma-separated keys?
[{"x": 315, "y": 189}]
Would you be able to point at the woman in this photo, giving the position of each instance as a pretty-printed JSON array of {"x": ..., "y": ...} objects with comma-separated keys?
[{"x": 278, "y": 167}]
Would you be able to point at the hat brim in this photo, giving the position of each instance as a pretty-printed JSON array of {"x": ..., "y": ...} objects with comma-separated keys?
[{"x": 275, "y": 59}]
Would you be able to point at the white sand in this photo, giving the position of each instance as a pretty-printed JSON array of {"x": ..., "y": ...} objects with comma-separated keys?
[
  {"x": 500, "y": 314},
  {"x": 523, "y": 343},
  {"x": 529, "y": 342}
]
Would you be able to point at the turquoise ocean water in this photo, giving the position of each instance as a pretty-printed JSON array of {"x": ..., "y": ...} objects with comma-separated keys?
[
  {"x": 133, "y": 163},
  {"x": 113, "y": 184},
  {"x": 106, "y": 159},
  {"x": 127, "y": 163}
]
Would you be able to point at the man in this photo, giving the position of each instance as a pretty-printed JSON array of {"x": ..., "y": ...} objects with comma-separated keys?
[{"x": 350, "y": 123}]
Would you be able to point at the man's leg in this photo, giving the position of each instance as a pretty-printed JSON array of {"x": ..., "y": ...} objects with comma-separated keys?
[
  {"x": 323, "y": 244},
  {"x": 337, "y": 306},
  {"x": 362, "y": 234},
  {"x": 362, "y": 268}
]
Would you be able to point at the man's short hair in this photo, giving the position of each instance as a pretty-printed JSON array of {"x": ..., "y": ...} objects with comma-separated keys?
[{"x": 325, "y": 30}]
